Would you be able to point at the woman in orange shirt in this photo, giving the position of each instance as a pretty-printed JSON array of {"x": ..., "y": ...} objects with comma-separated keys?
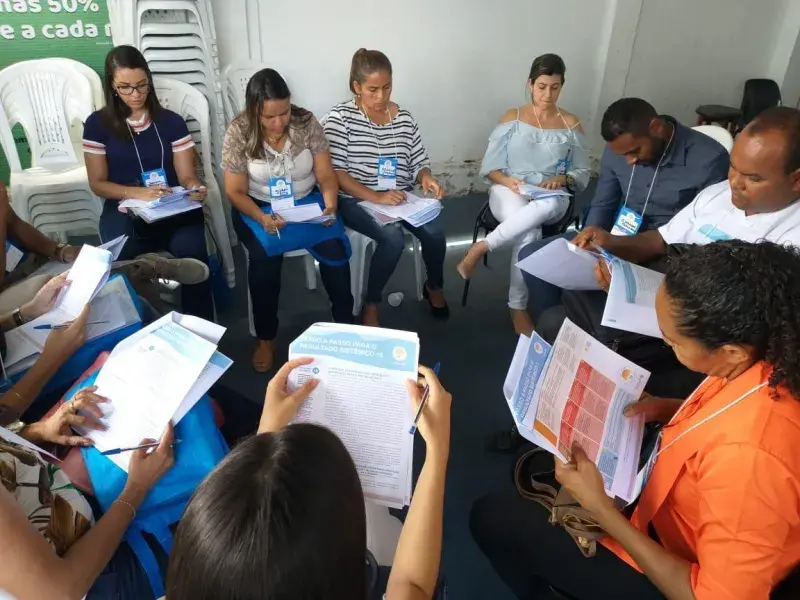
[{"x": 719, "y": 516}]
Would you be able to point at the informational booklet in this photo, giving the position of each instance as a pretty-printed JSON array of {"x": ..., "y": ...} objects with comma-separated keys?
[
  {"x": 416, "y": 211},
  {"x": 631, "y": 303},
  {"x": 303, "y": 213},
  {"x": 153, "y": 377},
  {"x": 564, "y": 265},
  {"x": 576, "y": 391},
  {"x": 362, "y": 397},
  {"x": 111, "y": 310},
  {"x": 539, "y": 193}
]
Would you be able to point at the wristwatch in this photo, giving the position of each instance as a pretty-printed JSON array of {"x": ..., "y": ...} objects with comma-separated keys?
[
  {"x": 570, "y": 182},
  {"x": 16, "y": 427},
  {"x": 17, "y": 316}
]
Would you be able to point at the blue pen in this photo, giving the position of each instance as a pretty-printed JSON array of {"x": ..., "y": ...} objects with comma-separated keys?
[
  {"x": 425, "y": 393},
  {"x": 63, "y": 325},
  {"x": 132, "y": 448}
]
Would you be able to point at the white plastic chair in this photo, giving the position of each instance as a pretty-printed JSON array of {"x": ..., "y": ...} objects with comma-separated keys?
[
  {"x": 44, "y": 97},
  {"x": 360, "y": 244},
  {"x": 717, "y": 133},
  {"x": 235, "y": 78},
  {"x": 189, "y": 103}
]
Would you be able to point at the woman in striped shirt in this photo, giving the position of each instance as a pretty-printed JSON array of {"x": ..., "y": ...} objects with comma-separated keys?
[{"x": 367, "y": 131}]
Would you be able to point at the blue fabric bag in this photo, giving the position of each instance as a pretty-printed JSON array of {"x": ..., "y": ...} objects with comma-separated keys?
[
  {"x": 301, "y": 236},
  {"x": 86, "y": 355},
  {"x": 202, "y": 447}
]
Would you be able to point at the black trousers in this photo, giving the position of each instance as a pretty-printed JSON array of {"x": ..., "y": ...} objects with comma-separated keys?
[
  {"x": 531, "y": 555},
  {"x": 264, "y": 279}
]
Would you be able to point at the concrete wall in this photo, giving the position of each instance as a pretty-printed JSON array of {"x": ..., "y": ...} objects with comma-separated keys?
[{"x": 460, "y": 63}]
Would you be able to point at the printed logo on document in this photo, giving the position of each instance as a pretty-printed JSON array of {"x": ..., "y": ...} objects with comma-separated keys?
[
  {"x": 399, "y": 354},
  {"x": 538, "y": 348},
  {"x": 626, "y": 374}
]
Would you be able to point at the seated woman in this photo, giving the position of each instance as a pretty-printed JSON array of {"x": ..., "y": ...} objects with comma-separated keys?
[
  {"x": 135, "y": 148},
  {"x": 283, "y": 515},
  {"x": 51, "y": 546},
  {"x": 538, "y": 144},
  {"x": 719, "y": 515},
  {"x": 276, "y": 153},
  {"x": 367, "y": 130}
]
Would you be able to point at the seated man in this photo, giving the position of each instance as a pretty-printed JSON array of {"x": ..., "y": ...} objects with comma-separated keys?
[
  {"x": 652, "y": 167},
  {"x": 19, "y": 284},
  {"x": 757, "y": 202}
]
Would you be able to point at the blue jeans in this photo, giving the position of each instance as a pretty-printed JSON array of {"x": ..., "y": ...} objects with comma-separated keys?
[
  {"x": 390, "y": 243},
  {"x": 543, "y": 295},
  {"x": 183, "y": 236}
]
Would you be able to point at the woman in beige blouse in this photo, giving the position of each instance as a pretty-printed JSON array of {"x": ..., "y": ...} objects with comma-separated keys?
[{"x": 275, "y": 156}]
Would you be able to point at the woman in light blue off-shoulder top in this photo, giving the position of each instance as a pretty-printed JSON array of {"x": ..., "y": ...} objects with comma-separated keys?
[{"x": 537, "y": 144}]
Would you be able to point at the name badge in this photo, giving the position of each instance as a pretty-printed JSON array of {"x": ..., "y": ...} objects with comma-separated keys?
[
  {"x": 13, "y": 256},
  {"x": 562, "y": 166},
  {"x": 628, "y": 222},
  {"x": 387, "y": 173},
  {"x": 281, "y": 193},
  {"x": 154, "y": 178}
]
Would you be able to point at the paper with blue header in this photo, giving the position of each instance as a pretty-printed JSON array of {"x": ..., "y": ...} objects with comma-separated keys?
[
  {"x": 362, "y": 397},
  {"x": 576, "y": 391}
]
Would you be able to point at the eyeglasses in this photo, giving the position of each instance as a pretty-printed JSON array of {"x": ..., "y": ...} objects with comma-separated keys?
[{"x": 127, "y": 90}]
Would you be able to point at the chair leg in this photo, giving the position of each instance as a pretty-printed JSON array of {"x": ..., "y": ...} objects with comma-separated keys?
[
  {"x": 485, "y": 256},
  {"x": 311, "y": 272},
  {"x": 359, "y": 247},
  {"x": 416, "y": 248},
  {"x": 464, "y": 294}
]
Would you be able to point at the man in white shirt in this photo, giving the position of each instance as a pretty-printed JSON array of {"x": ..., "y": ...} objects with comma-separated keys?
[{"x": 757, "y": 202}]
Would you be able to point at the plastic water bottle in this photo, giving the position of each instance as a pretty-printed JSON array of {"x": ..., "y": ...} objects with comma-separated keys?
[{"x": 395, "y": 299}]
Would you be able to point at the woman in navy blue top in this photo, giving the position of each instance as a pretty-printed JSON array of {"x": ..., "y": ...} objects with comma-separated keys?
[{"x": 135, "y": 148}]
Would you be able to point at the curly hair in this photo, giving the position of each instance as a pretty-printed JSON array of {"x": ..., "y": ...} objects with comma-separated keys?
[{"x": 737, "y": 292}]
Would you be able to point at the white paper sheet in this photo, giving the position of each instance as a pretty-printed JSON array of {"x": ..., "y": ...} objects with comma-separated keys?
[
  {"x": 362, "y": 397},
  {"x": 415, "y": 210},
  {"x": 115, "y": 246},
  {"x": 164, "y": 211},
  {"x": 540, "y": 193},
  {"x": 304, "y": 213},
  {"x": 631, "y": 303},
  {"x": 212, "y": 372},
  {"x": 563, "y": 264},
  {"x": 146, "y": 381}
]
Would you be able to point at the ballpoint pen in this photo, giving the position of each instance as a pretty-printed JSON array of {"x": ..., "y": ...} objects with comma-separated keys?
[
  {"x": 425, "y": 393},
  {"x": 64, "y": 325},
  {"x": 134, "y": 448}
]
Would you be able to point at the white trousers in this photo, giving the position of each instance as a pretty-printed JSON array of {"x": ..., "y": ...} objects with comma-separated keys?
[{"x": 521, "y": 223}]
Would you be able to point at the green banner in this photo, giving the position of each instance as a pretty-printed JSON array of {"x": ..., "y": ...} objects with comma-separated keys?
[{"x": 29, "y": 29}]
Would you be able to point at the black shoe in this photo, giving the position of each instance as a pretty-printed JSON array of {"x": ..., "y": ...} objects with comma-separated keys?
[
  {"x": 505, "y": 442},
  {"x": 438, "y": 312}
]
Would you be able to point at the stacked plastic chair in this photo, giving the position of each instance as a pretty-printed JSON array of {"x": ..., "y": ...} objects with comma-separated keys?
[
  {"x": 178, "y": 39},
  {"x": 48, "y": 98},
  {"x": 188, "y": 102}
]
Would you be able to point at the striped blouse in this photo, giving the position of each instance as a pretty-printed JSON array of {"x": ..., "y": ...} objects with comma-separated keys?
[{"x": 356, "y": 144}]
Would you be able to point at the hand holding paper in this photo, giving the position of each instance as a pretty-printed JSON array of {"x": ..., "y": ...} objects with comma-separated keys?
[
  {"x": 281, "y": 403},
  {"x": 582, "y": 479}
]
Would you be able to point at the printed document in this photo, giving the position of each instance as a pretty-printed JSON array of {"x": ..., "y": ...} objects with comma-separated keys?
[
  {"x": 362, "y": 397},
  {"x": 631, "y": 303},
  {"x": 575, "y": 391},
  {"x": 564, "y": 265},
  {"x": 303, "y": 213},
  {"x": 146, "y": 379},
  {"x": 415, "y": 210},
  {"x": 539, "y": 193}
]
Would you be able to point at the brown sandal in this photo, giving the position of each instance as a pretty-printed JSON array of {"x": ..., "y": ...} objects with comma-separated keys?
[{"x": 263, "y": 356}]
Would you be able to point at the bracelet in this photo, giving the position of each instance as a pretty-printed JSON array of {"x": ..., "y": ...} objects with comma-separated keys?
[
  {"x": 59, "y": 253},
  {"x": 128, "y": 504}
]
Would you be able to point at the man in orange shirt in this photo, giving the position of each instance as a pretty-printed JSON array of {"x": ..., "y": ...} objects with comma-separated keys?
[{"x": 719, "y": 516}]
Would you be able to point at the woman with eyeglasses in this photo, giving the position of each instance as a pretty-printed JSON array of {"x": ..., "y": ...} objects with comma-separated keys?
[{"x": 135, "y": 148}]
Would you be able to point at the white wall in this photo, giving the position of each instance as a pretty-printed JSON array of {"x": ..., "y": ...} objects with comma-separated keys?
[
  {"x": 692, "y": 52},
  {"x": 460, "y": 63}
]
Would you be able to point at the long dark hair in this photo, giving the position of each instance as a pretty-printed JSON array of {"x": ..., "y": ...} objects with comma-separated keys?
[
  {"x": 742, "y": 293},
  {"x": 266, "y": 85},
  {"x": 116, "y": 111},
  {"x": 281, "y": 517}
]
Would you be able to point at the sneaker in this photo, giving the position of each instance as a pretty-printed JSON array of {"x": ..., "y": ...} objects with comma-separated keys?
[{"x": 186, "y": 271}]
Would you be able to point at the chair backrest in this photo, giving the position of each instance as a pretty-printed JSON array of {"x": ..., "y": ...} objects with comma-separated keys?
[
  {"x": 235, "y": 78},
  {"x": 717, "y": 133},
  {"x": 98, "y": 96},
  {"x": 44, "y": 98},
  {"x": 759, "y": 95},
  {"x": 189, "y": 103}
]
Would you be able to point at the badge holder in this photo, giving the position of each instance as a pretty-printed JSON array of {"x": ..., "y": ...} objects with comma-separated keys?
[
  {"x": 154, "y": 178},
  {"x": 281, "y": 193},
  {"x": 628, "y": 222},
  {"x": 387, "y": 173}
]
